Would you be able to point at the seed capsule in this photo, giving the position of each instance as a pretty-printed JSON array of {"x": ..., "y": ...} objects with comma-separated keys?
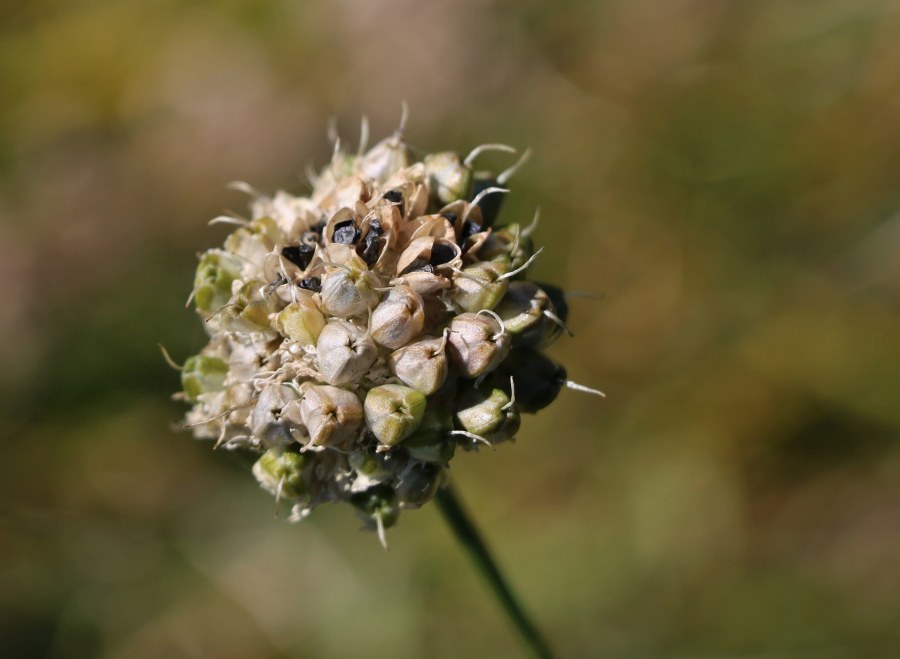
[
  {"x": 249, "y": 309},
  {"x": 266, "y": 422},
  {"x": 477, "y": 343},
  {"x": 301, "y": 321},
  {"x": 421, "y": 365},
  {"x": 478, "y": 286},
  {"x": 384, "y": 159},
  {"x": 432, "y": 441},
  {"x": 212, "y": 283},
  {"x": 418, "y": 484},
  {"x": 202, "y": 374},
  {"x": 448, "y": 177},
  {"x": 399, "y": 318},
  {"x": 332, "y": 415},
  {"x": 488, "y": 413},
  {"x": 344, "y": 352},
  {"x": 281, "y": 473},
  {"x": 393, "y": 412},
  {"x": 529, "y": 315},
  {"x": 538, "y": 378},
  {"x": 349, "y": 291}
]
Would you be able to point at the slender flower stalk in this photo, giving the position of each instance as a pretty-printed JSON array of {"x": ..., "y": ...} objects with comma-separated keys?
[{"x": 450, "y": 506}]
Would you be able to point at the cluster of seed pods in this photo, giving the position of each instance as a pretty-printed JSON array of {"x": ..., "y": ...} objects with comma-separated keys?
[{"x": 361, "y": 335}]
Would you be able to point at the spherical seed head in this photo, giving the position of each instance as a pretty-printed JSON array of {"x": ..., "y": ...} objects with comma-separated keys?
[{"x": 362, "y": 333}]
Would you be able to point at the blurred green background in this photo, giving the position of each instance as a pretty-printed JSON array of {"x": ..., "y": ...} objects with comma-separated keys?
[{"x": 725, "y": 174}]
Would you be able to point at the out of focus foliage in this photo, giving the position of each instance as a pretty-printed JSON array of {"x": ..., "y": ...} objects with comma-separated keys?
[{"x": 726, "y": 175}]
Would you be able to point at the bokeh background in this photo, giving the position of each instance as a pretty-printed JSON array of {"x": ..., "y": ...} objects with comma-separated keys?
[{"x": 725, "y": 176}]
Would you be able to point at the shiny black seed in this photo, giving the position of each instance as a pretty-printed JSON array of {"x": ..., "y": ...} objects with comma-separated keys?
[
  {"x": 345, "y": 233},
  {"x": 450, "y": 217},
  {"x": 313, "y": 284},
  {"x": 393, "y": 196},
  {"x": 372, "y": 249},
  {"x": 299, "y": 255},
  {"x": 418, "y": 265},
  {"x": 489, "y": 204},
  {"x": 374, "y": 227},
  {"x": 470, "y": 228},
  {"x": 441, "y": 253}
]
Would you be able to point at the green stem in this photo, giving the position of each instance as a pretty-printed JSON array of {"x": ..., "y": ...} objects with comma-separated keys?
[{"x": 471, "y": 540}]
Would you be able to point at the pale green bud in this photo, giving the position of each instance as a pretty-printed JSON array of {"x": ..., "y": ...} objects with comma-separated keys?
[
  {"x": 301, "y": 321},
  {"x": 478, "y": 287},
  {"x": 202, "y": 374},
  {"x": 281, "y": 473},
  {"x": 393, "y": 412},
  {"x": 249, "y": 309},
  {"x": 490, "y": 414},
  {"x": 529, "y": 315},
  {"x": 212, "y": 283}
]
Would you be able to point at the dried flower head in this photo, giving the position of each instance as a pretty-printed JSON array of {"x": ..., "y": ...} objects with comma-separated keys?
[{"x": 359, "y": 335}]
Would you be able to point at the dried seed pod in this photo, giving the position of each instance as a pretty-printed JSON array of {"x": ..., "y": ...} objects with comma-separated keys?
[
  {"x": 421, "y": 365},
  {"x": 398, "y": 319},
  {"x": 488, "y": 412},
  {"x": 448, "y": 177},
  {"x": 332, "y": 415},
  {"x": 384, "y": 160},
  {"x": 345, "y": 352},
  {"x": 265, "y": 421},
  {"x": 393, "y": 412},
  {"x": 282, "y": 473},
  {"x": 477, "y": 343},
  {"x": 349, "y": 291},
  {"x": 301, "y": 321}
]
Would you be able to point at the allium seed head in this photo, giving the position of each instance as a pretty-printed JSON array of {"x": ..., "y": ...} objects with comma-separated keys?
[{"x": 361, "y": 334}]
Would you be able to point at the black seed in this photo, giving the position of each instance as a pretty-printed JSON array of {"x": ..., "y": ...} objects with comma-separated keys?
[
  {"x": 470, "y": 228},
  {"x": 374, "y": 227},
  {"x": 299, "y": 255},
  {"x": 313, "y": 284},
  {"x": 489, "y": 204},
  {"x": 538, "y": 378},
  {"x": 279, "y": 281},
  {"x": 393, "y": 196},
  {"x": 450, "y": 217},
  {"x": 345, "y": 233},
  {"x": 372, "y": 250},
  {"x": 441, "y": 253},
  {"x": 418, "y": 265}
]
